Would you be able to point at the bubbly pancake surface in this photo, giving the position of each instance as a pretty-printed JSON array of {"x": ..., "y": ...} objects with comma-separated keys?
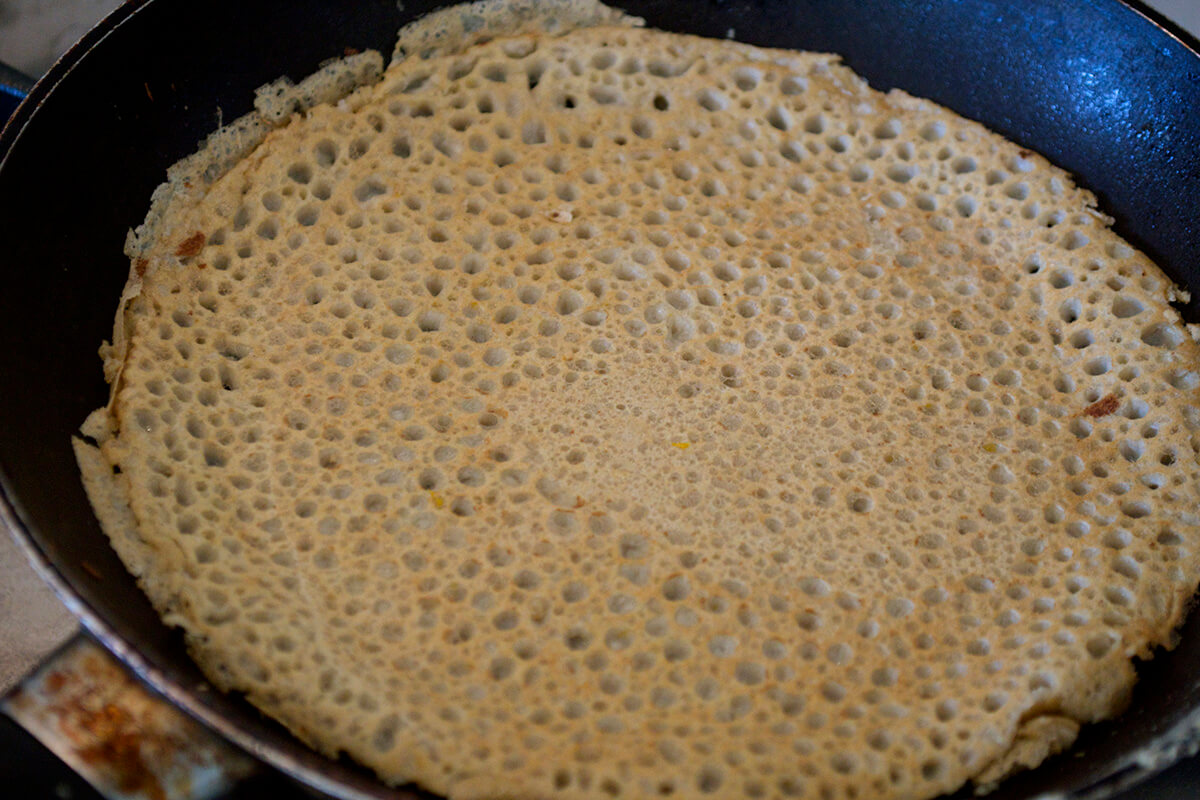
[{"x": 630, "y": 414}]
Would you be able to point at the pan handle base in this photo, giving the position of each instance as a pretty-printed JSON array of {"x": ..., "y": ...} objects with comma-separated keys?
[{"x": 125, "y": 741}]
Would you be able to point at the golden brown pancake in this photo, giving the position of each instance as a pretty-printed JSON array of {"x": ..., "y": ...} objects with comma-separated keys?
[{"x": 622, "y": 413}]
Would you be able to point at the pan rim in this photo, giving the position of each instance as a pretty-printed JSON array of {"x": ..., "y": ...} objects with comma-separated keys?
[{"x": 1189, "y": 41}]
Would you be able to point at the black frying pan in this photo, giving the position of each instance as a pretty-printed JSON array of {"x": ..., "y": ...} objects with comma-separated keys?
[{"x": 1104, "y": 89}]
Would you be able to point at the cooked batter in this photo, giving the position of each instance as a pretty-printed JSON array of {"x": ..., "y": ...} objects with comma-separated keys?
[{"x": 622, "y": 413}]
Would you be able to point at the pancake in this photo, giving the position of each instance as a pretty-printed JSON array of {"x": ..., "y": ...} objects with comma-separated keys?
[{"x": 617, "y": 413}]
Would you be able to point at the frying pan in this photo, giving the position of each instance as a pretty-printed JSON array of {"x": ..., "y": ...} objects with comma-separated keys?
[{"x": 1103, "y": 88}]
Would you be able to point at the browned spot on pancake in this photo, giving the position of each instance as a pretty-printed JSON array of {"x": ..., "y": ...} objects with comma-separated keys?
[
  {"x": 191, "y": 245},
  {"x": 1103, "y": 407}
]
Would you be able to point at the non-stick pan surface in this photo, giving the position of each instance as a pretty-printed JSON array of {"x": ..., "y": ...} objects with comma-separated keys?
[{"x": 1094, "y": 84}]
